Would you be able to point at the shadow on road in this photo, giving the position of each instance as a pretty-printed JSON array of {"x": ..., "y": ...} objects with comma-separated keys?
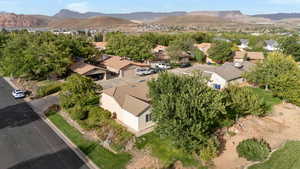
[
  {"x": 63, "y": 159},
  {"x": 17, "y": 115}
]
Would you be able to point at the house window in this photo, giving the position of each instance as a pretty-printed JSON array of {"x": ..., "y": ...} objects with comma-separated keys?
[
  {"x": 217, "y": 86},
  {"x": 148, "y": 118}
]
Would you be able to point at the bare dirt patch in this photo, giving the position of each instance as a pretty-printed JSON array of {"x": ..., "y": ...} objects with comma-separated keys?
[
  {"x": 282, "y": 125},
  {"x": 143, "y": 160}
]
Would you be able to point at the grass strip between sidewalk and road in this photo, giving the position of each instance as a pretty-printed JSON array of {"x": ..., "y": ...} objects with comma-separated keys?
[{"x": 103, "y": 158}]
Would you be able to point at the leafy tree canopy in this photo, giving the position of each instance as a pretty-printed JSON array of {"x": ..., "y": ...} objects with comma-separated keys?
[
  {"x": 280, "y": 74},
  {"x": 221, "y": 52},
  {"x": 186, "y": 109}
]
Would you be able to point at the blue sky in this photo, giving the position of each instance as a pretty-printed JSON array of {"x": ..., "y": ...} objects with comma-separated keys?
[{"x": 50, "y": 7}]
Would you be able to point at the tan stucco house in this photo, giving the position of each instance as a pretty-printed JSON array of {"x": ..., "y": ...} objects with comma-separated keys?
[
  {"x": 92, "y": 71},
  {"x": 121, "y": 66},
  {"x": 130, "y": 105}
]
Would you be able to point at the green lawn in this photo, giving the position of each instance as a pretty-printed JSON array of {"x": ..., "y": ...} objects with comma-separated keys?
[
  {"x": 286, "y": 158},
  {"x": 267, "y": 96},
  {"x": 99, "y": 155},
  {"x": 165, "y": 151}
]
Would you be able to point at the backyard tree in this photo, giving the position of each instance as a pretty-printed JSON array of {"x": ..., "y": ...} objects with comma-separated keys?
[
  {"x": 130, "y": 46},
  {"x": 186, "y": 109},
  {"x": 280, "y": 74},
  {"x": 221, "y": 52},
  {"x": 290, "y": 46},
  {"x": 79, "y": 90}
]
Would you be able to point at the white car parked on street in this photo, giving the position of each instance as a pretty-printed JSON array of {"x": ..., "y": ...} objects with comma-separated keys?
[{"x": 18, "y": 94}]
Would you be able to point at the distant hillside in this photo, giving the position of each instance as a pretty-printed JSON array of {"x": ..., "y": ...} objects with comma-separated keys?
[
  {"x": 279, "y": 16},
  {"x": 221, "y": 14},
  {"x": 144, "y": 16},
  {"x": 234, "y": 16},
  {"x": 94, "y": 22},
  {"x": 191, "y": 20},
  {"x": 14, "y": 20}
]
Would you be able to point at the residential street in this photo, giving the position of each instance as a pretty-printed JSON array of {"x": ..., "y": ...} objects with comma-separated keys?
[{"x": 26, "y": 141}]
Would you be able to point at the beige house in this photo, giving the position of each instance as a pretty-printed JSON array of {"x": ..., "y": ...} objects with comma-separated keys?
[
  {"x": 254, "y": 57},
  {"x": 204, "y": 47},
  {"x": 229, "y": 73},
  {"x": 121, "y": 66},
  {"x": 94, "y": 72},
  {"x": 129, "y": 105}
]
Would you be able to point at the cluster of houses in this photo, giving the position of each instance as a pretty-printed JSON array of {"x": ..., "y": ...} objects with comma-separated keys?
[{"x": 130, "y": 104}]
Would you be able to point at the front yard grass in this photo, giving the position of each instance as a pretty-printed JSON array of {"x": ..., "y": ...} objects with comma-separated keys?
[
  {"x": 267, "y": 96},
  {"x": 164, "y": 150},
  {"x": 98, "y": 154},
  {"x": 286, "y": 158}
]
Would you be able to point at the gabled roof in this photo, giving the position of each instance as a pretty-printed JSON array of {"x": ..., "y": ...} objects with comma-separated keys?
[
  {"x": 249, "y": 55},
  {"x": 204, "y": 47},
  {"x": 118, "y": 63},
  {"x": 229, "y": 71},
  {"x": 272, "y": 43},
  {"x": 132, "y": 98},
  {"x": 84, "y": 68},
  {"x": 255, "y": 55},
  {"x": 240, "y": 54}
]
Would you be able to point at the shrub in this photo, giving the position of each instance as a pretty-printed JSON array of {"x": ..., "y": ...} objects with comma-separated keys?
[
  {"x": 116, "y": 133},
  {"x": 49, "y": 89},
  {"x": 210, "y": 150},
  {"x": 253, "y": 149},
  {"x": 79, "y": 113},
  {"x": 96, "y": 115},
  {"x": 244, "y": 101}
]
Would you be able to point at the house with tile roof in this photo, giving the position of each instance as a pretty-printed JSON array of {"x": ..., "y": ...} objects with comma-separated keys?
[
  {"x": 204, "y": 47},
  {"x": 121, "y": 66},
  {"x": 94, "y": 72},
  {"x": 130, "y": 105},
  {"x": 254, "y": 57}
]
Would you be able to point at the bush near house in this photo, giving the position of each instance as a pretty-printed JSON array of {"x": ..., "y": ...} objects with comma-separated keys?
[
  {"x": 80, "y": 99},
  {"x": 48, "y": 89},
  {"x": 253, "y": 149},
  {"x": 244, "y": 101}
]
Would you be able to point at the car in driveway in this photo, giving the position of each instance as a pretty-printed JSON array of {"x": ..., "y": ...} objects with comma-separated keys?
[
  {"x": 144, "y": 71},
  {"x": 163, "y": 66},
  {"x": 18, "y": 94}
]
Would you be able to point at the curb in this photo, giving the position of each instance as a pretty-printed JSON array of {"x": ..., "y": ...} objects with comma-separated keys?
[{"x": 69, "y": 143}]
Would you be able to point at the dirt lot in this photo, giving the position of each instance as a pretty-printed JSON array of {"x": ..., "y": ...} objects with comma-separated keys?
[{"x": 282, "y": 125}]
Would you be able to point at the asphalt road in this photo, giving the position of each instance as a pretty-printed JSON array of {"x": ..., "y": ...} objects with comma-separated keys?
[{"x": 26, "y": 141}]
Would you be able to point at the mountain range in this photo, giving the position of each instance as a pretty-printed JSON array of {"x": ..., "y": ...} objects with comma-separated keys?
[{"x": 71, "y": 19}]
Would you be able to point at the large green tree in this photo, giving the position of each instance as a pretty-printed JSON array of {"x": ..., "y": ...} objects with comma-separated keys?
[
  {"x": 42, "y": 55},
  {"x": 186, "y": 109},
  {"x": 280, "y": 74},
  {"x": 221, "y": 52},
  {"x": 133, "y": 47},
  {"x": 290, "y": 45}
]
